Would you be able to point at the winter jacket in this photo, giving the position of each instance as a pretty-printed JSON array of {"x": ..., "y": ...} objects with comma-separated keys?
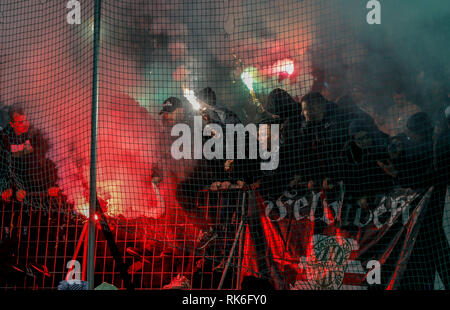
[
  {"x": 442, "y": 157},
  {"x": 320, "y": 145},
  {"x": 23, "y": 162}
]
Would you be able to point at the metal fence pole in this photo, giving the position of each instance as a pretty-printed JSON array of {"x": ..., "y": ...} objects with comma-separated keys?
[{"x": 93, "y": 167}]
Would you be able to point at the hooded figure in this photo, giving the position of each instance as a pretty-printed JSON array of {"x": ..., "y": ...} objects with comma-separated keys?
[
  {"x": 367, "y": 146},
  {"x": 281, "y": 103},
  {"x": 442, "y": 151},
  {"x": 275, "y": 182},
  {"x": 415, "y": 167},
  {"x": 431, "y": 252},
  {"x": 24, "y": 165},
  {"x": 220, "y": 115},
  {"x": 322, "y": 136}
]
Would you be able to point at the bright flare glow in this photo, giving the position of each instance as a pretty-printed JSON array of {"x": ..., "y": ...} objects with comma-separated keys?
[
  {"x": 190, "y": 96},
  {"x": 284, "y": 66},
  {"x": 247, "y": 77},
  {"x": 83, "y": 209}
]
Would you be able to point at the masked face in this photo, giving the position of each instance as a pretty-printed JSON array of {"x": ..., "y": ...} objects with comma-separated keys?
[
  {"x": 266, "y": 136},
  {"x": 173, "y": 118},
  {"x": 20, "y": 124},
  {"x": 313, "y": 112},
  {"x": 395, "y": 149},
  {"x": 362, "y": 139},
  {"x": 399, "y": 98},
  {"x": 415, "y": 137},
  {"x": 357, "y": 94}
]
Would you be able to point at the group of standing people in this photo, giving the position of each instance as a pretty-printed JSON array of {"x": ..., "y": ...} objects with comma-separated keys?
[{"x": 322, "y": 142}]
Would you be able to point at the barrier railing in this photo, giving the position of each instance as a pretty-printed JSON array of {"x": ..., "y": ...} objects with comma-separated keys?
[{"x": 40, "y": 237}]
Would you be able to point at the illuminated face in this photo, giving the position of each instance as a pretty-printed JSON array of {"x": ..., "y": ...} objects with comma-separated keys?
[
  {"x": 414, "y": 137},
  {"x": 399, "y": 98},
  {"x": 327, "y": 92},
  {"x": 266, "y": 136},
  {"x": 394, "y": 149},
  {"x": 20, "y": 124},
  {"x": 362, "y": 139},
  {"x": 357, "y": 94},
  {"x": 175, "y": 117},
  {"x": 312, "y": 112}
]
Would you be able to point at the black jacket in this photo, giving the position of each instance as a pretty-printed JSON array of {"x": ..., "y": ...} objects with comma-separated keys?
[
  {"x": 320, "y": 146},
  {"x": 442, "y": 157},
  {"x": 23, "y": 162},
  {"x": 275, "y": 182},
  {"x": 415, "y": 166},
  {"x": 362, "y": 175}
]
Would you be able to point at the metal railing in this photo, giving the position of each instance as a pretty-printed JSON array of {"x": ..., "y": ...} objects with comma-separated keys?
[{"x": 41, "y": 236}]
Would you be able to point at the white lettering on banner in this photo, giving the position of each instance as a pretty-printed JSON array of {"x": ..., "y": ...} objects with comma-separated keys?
[{"x": 302, "y": 206}]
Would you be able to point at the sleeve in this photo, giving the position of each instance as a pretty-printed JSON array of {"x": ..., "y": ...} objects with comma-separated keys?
[
  {"x": 47, "y": 175},
  {"x": 442, "y": 154},
  {"x": 247, "y": 169},
  {"x": 5, "y": 161},
  {"x": 50, "y": 174},
  {"x": 17, "y": 180}
]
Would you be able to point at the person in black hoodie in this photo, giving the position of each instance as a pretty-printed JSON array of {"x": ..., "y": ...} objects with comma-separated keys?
[
  {"x": 289, "y": 118},
  {"x": 24, "y": 168},
  {"x": 431, "y": 251},
  {"x": 364, "y": 179},
  {"x": 442, "y": 151},
  {"x": 442, "y": 172},
  {"x": 366, "y": 148},
  {"x": 322, "y": 137},
  {"x": 339, "y": 91},
  {"x": 216, "y": 114},
  {"x": 416, "y": 168}
]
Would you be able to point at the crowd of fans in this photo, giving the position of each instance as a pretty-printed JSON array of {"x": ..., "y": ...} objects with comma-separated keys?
[{"x": 323, "y": 141}]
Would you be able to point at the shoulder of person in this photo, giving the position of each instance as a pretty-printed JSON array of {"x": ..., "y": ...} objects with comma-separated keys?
[
  {"x": 335, "y": 117},
  {"x": 35, "y": 135},
  {"x": 4, "y": 134},
  {"x": 333, "y": 110},
  {"x": 229, "y": 114},
  {"x": 345, "y": 100},
  {"x": 444, "y": 135}
]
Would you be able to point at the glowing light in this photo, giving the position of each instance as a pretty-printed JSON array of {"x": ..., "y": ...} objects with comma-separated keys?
[
  {"x": 285, "y": 66},
  {"x": 248, "y": 78},
  {"x": 83, "y": 209},
  {"x": 190, "y": 96},
  {"x": 109, "y": 191}
]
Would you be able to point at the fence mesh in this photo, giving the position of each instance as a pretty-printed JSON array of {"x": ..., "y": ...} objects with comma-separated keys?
[{"x": 337, "y": 181}]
